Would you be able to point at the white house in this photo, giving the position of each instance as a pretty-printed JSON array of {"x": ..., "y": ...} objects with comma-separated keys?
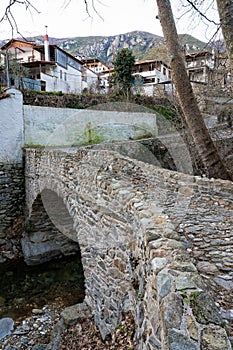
[
  {"x": 99, "y": 68},
  {"x": 50, "y": 67},
  {"x": 155, "y": 76},
  {"x": 209, "y": 68},
  {"x": 150, "y": 77},
  {"x": 198, "y": 66},
  {"x": 95, "y": 64}
]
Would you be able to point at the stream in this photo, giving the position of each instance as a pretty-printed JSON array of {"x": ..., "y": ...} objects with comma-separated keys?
[{"x": 23, "y": 288}]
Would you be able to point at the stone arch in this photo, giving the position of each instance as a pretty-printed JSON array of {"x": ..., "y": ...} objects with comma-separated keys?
[
  {"x": 49, "y": 230},
  {"x": 104, "y": 252},
  {"x": 45, "y": 240}
]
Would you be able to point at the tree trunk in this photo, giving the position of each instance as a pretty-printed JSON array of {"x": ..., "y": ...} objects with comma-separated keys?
[
  {"x": 204, "y": 144},
  {"x": 225, "y": 9}
]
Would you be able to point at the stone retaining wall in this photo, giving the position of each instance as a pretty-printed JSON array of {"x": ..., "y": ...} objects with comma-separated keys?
[
  {"x": 144, "y": 233},
  {"x": 12, "y": 195}
]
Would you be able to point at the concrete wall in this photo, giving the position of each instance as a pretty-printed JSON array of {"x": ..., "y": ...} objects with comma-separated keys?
[
  {"x": 152, "y": 240},
  {"x": 69, "y": 127},
  {"x": 11, "y": 130},
  {"x": 11, "y": 160}
]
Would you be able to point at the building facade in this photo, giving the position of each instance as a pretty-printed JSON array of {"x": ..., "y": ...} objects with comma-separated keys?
[
  {"x": 49, "y": 67},
  {"x": 208, "y": 68},
  {"x": 154, "y": 75}
]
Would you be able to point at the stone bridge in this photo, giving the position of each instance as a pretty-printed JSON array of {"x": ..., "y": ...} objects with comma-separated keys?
[{"x": 153, "y": 241}]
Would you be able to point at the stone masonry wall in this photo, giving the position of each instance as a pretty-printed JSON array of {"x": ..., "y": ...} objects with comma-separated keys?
[
  {"x": 142, "y": 247},
  {"x": 11, "y": 195}
]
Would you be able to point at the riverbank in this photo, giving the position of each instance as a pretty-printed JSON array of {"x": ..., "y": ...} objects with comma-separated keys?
[{"x": 45, "y": 329}]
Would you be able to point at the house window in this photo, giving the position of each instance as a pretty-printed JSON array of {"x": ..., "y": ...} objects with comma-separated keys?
[
  {"x": 164, "y": 71},
  {"x": 158, "y": 80},
  {"x": 61, "y": 58},
  {"x": 65, "y": 77},
  {"x": 60, "y": 74}
]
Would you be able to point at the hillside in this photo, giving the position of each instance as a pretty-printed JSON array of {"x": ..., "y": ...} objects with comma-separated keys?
[{"x": 143, "y": 45}]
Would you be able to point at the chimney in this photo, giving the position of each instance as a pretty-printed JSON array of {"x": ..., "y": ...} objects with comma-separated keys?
[{"x": 46, "y": 46}]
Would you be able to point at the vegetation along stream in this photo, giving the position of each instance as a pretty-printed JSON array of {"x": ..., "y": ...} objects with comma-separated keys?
[{"x": 23, "y": 287}]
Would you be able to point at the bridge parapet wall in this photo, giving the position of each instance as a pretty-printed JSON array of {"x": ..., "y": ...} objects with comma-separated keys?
[{"x": 130, "y": 219}]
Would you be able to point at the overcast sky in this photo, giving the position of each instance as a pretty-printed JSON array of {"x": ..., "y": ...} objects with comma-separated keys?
[{"x": 68, "y": 18}]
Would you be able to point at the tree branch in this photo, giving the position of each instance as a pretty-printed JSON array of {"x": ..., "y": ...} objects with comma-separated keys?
[
  {"x": 8, "y": 12},
  {"x": 9, "y": 16},
  {"x": 201, "y": 13}
]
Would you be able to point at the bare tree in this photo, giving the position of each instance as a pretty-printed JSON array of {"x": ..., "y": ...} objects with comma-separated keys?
[
  {"x": 225, "y": 9},
  {"x": 204, "y": 144}
]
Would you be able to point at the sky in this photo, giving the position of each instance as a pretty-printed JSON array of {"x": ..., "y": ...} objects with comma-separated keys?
[{"x": 69, "y": 18}]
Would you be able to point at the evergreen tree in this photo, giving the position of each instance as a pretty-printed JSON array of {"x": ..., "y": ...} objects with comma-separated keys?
[{"x": 124, "y": 66}]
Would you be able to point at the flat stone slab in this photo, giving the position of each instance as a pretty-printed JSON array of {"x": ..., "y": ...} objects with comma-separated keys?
[{"x": 6, "y": 327}]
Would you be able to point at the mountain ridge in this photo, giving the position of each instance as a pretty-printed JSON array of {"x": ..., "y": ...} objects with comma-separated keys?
[{"x": 144, "y": 45}]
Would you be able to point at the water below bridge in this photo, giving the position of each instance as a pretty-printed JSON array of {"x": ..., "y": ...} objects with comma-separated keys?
[{"x": 23, "y": 288}]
